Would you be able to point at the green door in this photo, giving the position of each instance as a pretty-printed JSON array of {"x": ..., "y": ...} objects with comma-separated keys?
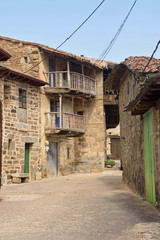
[
  {"x": 148, "y": 157},
  {"x": 26, "y": 165}
]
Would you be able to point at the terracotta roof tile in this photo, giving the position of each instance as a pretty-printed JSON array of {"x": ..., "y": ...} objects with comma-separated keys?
[
  {"x": 139, "y": 63},
  {"x": 25, "y": 77},
  {"x": 60, "y": 52},
  {"x": 4, "y": 55}
]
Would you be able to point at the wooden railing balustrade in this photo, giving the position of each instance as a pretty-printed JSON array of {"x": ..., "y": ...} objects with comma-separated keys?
[
  {"x": 67, "y": 121},
  {"x": 72, "y": 80}
]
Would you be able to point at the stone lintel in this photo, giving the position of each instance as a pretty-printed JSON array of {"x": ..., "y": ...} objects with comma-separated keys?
[{"x": 29, "y": 139}]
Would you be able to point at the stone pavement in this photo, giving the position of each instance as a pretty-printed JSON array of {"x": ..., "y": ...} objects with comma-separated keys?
[{"x": 81, "y": 206}]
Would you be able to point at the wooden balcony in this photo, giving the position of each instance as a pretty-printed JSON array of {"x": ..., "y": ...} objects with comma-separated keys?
[
  {"x": 66, "y": 82},
  {"x": 64, "y": 124},
  {"x": 110, "y": 97}
]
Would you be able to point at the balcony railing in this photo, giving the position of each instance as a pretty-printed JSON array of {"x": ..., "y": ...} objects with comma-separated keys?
[
  {"x": 68, "y": 121},
  {"x": 71, "y": 80}
]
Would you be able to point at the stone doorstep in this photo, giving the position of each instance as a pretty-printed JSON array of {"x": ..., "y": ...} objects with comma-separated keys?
[{"x": 20, "y": 177}]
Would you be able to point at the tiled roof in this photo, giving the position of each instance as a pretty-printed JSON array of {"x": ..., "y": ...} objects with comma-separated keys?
[
  {"x": 60, "y": 52},
  {"x": 4, "y": 55},
  {"x": 22, "y": 76},
  {"x": 139, "y": 63}
]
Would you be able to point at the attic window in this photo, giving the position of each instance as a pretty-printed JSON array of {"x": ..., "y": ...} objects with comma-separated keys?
[{"x": 26, "y": 59}]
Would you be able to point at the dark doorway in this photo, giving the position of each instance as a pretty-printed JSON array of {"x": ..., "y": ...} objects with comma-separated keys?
[{"x": 112, "y": 115}]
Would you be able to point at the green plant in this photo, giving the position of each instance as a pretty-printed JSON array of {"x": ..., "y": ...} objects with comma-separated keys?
[{"x": 110, "y": 162}]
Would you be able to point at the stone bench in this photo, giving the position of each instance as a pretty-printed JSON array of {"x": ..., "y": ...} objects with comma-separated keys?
[{"x": 20, "y": 177}]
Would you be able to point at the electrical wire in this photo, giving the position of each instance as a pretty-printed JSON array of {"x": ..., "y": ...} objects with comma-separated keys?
[
  {"x": 109, "y": 47},
  {"x": 152, "y": 56},
  {"x": 69, "y": 35}
]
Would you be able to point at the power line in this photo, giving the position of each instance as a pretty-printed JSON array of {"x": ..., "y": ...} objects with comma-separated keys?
[
  {"x": 107, "y": 50},
  {"x": 70, "y": 34},
  {"x": 152, "y": 56}
]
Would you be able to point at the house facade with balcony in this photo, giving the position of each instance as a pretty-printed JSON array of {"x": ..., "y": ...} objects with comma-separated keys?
[{"x": 72, "y": 110}]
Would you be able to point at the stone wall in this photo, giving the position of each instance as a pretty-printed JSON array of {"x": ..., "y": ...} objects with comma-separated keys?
[
  {"x": 24, "y": 56},
  {"x": 18, "y": 131},
  {"x": 132, "y": 141},
  {"x": 131, "y": 138},
  {"x": 90, "y": 147}
]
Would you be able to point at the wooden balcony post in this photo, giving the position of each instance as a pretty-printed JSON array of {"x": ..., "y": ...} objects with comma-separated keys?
[
  {"x": 60, "y": 109},
  {"x": 68, "y": 74},
  {"x": 73, "y": 104},
  {"x": 83, "y": 105},
  {"x": 83, "y": 77}
]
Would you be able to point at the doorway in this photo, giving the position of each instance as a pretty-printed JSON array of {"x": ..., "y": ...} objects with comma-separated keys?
[
  {"x": 52, "y": 159},
  {"x": 148, "y": 157},
  {"x": 26, "y": 163}
]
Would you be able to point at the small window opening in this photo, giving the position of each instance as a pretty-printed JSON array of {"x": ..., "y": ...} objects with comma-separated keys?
[
  {"x": 26, "y": 59},
  {"x": 80, "y": 113},
  {"x": 22, "y": 99},
  {"x": 9, "y": 144},
  {"x": 68, "y": 153}
]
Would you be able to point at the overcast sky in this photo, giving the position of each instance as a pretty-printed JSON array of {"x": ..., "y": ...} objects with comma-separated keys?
[{"x": 49, "y": 22}]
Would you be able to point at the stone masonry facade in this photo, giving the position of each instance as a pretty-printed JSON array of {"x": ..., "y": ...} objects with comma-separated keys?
[
  {"x": 88, "y": 150},
  {"x": 131, "y": 82},
  {"x": 131, "y": 129},
  {"x": 20, "y": 126}
]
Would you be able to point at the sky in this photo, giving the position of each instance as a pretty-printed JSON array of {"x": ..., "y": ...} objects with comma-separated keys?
[{"x": 50, "y": 22}]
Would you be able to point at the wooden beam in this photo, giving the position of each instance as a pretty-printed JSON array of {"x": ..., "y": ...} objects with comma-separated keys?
[
  {"x": 73, "y": 104},
  {"x": 83, "y": 105},
  {"x": 60, "y": 109},
  {"x": 68, "y": 74}
]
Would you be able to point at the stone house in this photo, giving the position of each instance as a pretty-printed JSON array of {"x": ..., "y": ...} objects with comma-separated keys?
[
  {"x": 139, "y": 107},
  {"x": 72, "y": 106},
  {"x": 19, "y": 124}
]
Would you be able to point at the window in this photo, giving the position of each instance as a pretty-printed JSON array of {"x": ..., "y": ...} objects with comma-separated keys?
[
  {"x": 52, "y": 106},
  {"x": 68, "y": 153},
  {"x": 80, "y": 113},
  {"x": 22, "y": 98},
  {"x": 9, "y": 144},
  {"x": 26, "y": 59}
]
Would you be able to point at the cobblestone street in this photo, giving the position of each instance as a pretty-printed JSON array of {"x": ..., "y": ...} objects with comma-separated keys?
[{"x": 81, "y": 206}]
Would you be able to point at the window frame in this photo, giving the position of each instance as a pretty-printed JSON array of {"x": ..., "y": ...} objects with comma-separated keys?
[{"x": 22, "y": 98}]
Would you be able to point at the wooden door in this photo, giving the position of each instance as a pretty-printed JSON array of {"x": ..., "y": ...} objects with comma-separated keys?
[
  {"x": 26, "y": 165},
  {"x": 52, "y": 79},
  {"x": 115, "y": 147},
  {"x": 148, "y": 157},
  {"x": 0, "y": 142},
  {"x": 52, "y": 159}
]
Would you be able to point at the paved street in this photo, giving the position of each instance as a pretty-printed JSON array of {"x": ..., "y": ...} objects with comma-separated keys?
[{"x": 81, "y": 207}]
